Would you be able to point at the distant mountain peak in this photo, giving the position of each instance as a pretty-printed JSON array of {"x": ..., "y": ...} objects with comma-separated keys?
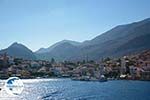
[
  {"x": 69, "y": 41},
  {"x": 63, "y": 42},
  {"x": 19, "y": 50},
  {"x": 15, "y": 43}
]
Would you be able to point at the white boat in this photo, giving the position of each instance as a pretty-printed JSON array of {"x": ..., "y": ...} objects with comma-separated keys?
[
  {"x": 1, "y": 84},
  {"x": 102, "y": 78}
]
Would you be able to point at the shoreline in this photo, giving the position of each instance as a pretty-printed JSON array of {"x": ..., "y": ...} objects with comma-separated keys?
[{"x": 96, "y": 80}]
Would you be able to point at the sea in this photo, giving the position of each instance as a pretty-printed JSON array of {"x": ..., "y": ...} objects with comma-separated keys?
[{"x": 67, "y": 89}]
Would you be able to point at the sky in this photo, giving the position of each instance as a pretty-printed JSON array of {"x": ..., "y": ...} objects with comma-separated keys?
[{"x": 41, "y": 23}]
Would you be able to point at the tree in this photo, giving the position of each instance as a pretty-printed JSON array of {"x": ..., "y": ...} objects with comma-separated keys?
[
  {"x": 107, "y": 59},
  {"x": 52, "y": 60}
]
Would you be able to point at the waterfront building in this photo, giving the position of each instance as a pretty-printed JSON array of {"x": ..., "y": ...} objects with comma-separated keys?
[
  {"x": 34, "y": 64},
  {"x": 145, "y": 75},
  {"x": 123, "y": 66},
  {"x": 133, "y": 71},
  {"x": 11, "y": 60}
]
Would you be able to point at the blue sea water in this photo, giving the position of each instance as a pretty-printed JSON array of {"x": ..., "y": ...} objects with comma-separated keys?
[{"x": 66, "y": 89}]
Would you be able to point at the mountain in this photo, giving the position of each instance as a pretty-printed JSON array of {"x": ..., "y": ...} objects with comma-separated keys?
[
  {"x": 108, "y": 43},
  {"x": 120, "y": 40},
  {"x": 62, "y": 50},
  {"x": 46, "y": 50},
  {"x": 137, "y": 44},
  {"x": 122, "y": 31},
  {"x": 19, "y": 50}
]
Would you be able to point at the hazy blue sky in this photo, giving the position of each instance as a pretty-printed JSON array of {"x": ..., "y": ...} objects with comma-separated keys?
[{"x": 41, "y": 23}]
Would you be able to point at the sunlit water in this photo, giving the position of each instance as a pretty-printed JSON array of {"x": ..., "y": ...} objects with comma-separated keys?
[{"x": 66, "y": 89}]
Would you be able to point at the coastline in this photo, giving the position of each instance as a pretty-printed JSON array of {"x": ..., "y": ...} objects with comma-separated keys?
[{"x": 76, "y": 79}]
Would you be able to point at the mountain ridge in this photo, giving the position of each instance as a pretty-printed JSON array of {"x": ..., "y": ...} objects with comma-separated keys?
[
  {"x": 45, "y": 50},
  {"x": 118, "y": 41},
  {"x": 19, "y": 50},
  {"x": 105, "y": 44}
]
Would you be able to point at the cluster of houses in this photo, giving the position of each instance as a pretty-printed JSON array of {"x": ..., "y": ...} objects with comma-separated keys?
[
  {"x": 10, "y": 66},
  {"x": 134, "y": 67}
]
